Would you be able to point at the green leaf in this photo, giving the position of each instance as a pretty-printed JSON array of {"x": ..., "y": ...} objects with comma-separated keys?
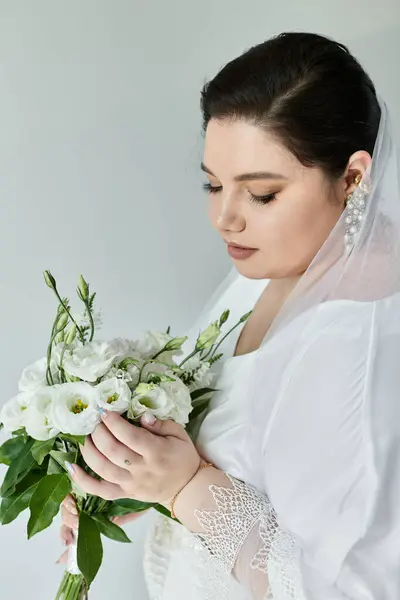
[
  {"x": 12, "y": 506},
  {"x": 201, "y": 392},
  {"x": 164, "y": 511},
  {"x": 110, "y": 529},
  {"x": 54, "y": 467},
  {"x": 118, "y": 511},
  {"x": 124, "y": 364},
  {"x": 133, "y": 505},
  {"x": 19, "y": 467},
  {"x": 41, "y": 449},
  {"x": 10, "y": 450},
  {"x": 62, "y": 457},
  {"x": 46, "y": 500},
  {"x": 90, "y": 548},
  {"x": 20, "y": 433},
  {"x": 198, "y": 409},
  {"x": 80, "y": 439}
]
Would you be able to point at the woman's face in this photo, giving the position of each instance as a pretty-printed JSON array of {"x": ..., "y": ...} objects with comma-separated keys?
[{"x": 263, "y": 198}]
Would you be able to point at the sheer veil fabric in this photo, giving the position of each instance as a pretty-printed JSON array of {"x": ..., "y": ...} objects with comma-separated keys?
[{"x": 313, "y": 508}]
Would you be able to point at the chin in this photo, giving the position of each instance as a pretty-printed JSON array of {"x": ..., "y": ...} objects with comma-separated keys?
[{"x": 251, "y": 271}]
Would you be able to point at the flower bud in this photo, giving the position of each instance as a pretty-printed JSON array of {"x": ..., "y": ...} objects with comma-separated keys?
[
  {"x": 59, "y": 337},
  {"x": 62, "y": 321},
  {"x": 61, "y": 308},
  {"x": 245, "y": 317},
  {"x": 208, "y": 337},
  {"x": 175, "y": 344},
  {"x": 49, "y": 279},
  {"x": 83, "y": 289},
  {"x": 224, "y": 317},
  {"x": 71, "y": 334}
]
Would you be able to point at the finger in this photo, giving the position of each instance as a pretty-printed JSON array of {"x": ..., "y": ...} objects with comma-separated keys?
[
  {"x": 70, "y": 504},
  {"x": 63, "y": 558},
  {"x": 162, "y": 428},
  {"x": 111, "y": 448},
  {"x": 90, "y": 485},
  {"x": 102, "y": 465},
  {"x": 136, "y": 438},
  {"x": 66, "y": 535},
  {"x": 70, "y": 520},
  {"x": 124, "y": 519}
]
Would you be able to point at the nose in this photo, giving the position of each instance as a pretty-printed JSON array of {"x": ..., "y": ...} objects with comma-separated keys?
[{"x": 230, "y": 217}]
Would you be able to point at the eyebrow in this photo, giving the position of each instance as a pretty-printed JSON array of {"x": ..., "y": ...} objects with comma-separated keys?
[{"x": 248, "y": 176}]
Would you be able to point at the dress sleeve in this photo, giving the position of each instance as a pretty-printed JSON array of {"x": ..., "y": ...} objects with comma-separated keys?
[
  {"x": 330, "y": 528},
  {"x": 243, "y": 536}
]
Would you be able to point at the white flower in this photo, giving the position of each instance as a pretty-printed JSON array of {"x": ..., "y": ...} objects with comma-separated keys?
[
  {"x": 91, "y": 361},
  {"x": 34, "y": 376},
  {"x": 12, "y": 413},
  {"x": 167, "y": 400},
  {"x": 114, "y": 395},
  {"x": 75, "y": 408},
  {"x": 123, "y": 348},
  {"x": 152, "y": 342},
  {"x": 201, "y": 371},
  {"x": 36, "y": 417}
]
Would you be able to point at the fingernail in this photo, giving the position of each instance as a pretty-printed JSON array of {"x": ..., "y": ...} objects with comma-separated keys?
[
  {"x": 103, "y": 413},
  {"x": 149, "y": 418},
  {"x": 70, "y": 468}
]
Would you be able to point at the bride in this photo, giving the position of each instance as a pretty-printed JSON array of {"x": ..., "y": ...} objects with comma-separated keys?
[{"x": 292, "y": 489}]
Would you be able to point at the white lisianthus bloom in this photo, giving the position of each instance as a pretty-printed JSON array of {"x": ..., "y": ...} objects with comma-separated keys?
[
  {"x": 114, "y": 395},
  {"x": 124, "y": 348},
  {"x": 167, "y": 400},
  {"x": 36, "y": 416},
  {"x": 75, "y": 408},
  {"x": 91, "y": 361},
  {"x": 34, "y": 376},
  {"x": 12, "y": 414},
  {"x": 201, "y": 371},
  {"x": 152, "y": 342}
]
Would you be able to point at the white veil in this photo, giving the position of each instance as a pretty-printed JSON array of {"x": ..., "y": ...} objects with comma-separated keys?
[{"x": 367, "y": 270}]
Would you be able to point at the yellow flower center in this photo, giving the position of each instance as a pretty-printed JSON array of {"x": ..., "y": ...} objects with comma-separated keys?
[
  {"x": 78, "y": 407},
  {"x": 112, "y": 398}
]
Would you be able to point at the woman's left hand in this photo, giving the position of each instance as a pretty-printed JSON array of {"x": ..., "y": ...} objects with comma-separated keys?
[{"x": 150, "y": 463}]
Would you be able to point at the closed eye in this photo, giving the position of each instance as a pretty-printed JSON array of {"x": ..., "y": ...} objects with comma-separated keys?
[
  {"x": 211, "y": 189},
  {"x": 262, "y": 199}
]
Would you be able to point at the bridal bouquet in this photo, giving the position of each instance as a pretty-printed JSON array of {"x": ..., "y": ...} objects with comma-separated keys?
[{"x": 58, "y": 405}]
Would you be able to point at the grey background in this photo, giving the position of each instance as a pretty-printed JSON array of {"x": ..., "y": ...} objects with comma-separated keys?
[{"x": 99, "y": 151}]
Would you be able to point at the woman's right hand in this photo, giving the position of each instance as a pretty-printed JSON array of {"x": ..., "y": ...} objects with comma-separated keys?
[{"x": 70, "y": 520}]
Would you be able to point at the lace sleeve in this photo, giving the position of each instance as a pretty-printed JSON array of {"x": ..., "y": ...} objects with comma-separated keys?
[{"x": 242, "y": 533}]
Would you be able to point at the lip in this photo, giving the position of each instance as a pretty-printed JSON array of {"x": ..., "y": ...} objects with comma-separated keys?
[{"x": 240, "y": 252}]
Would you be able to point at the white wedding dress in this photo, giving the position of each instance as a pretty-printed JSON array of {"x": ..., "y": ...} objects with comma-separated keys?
[{"x": 318, "y": 518}]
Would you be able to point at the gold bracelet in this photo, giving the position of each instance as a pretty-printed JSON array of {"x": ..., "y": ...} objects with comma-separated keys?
[{"x": 202, "y": 466}]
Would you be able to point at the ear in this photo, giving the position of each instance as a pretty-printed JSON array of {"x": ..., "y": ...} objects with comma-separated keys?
[{"x": 357, "y": 165}]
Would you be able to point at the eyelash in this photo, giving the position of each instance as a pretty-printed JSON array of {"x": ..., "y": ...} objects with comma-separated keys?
[{"x": 258, "y": 199}]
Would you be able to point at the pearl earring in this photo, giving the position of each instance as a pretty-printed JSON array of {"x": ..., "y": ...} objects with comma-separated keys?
[{"x": 355, "y": 206}]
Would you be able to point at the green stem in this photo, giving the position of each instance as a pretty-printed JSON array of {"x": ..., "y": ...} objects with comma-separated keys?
[
  {"x": 213, "y": 351},
  {"x": 91, "y": 322},
  {"x": 65, "y": 307},
  {"x": 61, "y": 361},
  {"x": 49, "y": 376},
  {"x": 190, "y": 356}
]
